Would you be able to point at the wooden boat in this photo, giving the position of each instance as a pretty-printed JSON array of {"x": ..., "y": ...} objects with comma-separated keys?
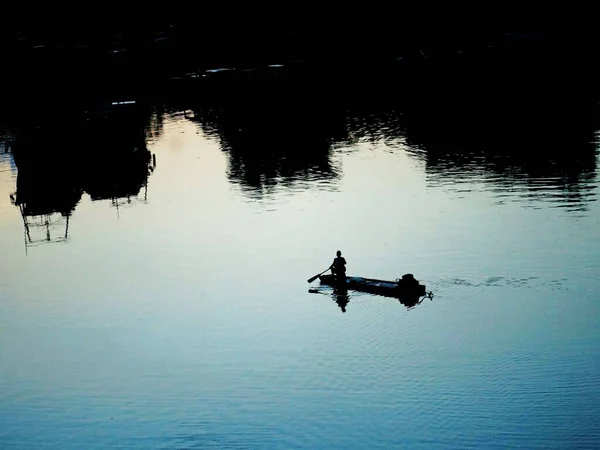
[{"x": 406, "y": 287}]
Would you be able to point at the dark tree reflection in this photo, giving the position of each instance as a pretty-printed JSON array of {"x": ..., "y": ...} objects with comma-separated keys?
[
  {"x": 512, "y": 137},
  {"x": 542, "y": 147},
  {"x": 275, "y": 142}
]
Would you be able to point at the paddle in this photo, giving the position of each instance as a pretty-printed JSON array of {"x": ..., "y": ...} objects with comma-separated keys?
[{"x": 311, "y": 279}]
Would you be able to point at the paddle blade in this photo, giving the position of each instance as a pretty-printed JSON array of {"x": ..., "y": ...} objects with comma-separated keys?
[{"x": 311, "y": 279}]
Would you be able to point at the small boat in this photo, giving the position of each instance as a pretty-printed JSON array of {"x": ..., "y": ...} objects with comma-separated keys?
[{"x": 406, "y": 286}]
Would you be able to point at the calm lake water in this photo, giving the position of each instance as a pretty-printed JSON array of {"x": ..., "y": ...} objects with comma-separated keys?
[{"x": 168, "y": 305}]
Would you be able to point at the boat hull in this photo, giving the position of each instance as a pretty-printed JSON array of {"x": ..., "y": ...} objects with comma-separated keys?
[{"x": 401, "y": 288}]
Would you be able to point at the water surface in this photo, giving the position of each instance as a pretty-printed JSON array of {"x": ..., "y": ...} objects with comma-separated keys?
[{"x": 166, "y": 305}]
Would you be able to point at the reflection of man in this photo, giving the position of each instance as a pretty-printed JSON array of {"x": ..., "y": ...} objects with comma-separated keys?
[{"x": 341, "y": 298}]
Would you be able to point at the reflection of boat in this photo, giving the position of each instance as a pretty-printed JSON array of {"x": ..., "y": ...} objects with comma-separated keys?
[{"x": 406, "y": 287}]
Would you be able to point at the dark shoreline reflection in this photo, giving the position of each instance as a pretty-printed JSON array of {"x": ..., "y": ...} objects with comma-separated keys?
[
  {"x": 512, "y": 138},
  {"x": 275, "y": 141},
  {"x": 541, "y": 149},
  {"x": 520, "y": 144},
  {"x": 504, "y": 130},
  {"x": 101, "y": 152}
]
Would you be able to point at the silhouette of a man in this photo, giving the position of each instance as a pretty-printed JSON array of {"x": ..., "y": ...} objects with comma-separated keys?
[{"x": 338, "y": 267}]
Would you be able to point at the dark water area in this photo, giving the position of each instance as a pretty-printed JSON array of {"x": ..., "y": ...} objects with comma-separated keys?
[{"x": 157, "y": 234}]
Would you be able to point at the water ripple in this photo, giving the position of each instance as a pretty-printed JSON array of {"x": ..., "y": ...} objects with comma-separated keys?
[{"x": 185, "y": 323}]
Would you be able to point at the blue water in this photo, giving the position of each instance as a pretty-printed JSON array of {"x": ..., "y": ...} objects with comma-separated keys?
[{"x": 180, "y": 317}]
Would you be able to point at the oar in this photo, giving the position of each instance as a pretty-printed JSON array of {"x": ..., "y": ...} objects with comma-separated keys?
[{"x": 311, "y": 279}]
